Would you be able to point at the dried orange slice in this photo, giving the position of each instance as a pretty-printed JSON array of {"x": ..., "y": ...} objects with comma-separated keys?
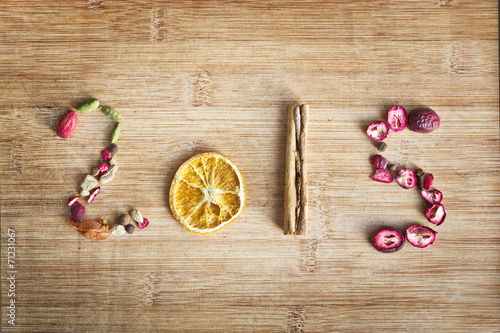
[{"x": 207, "y": 193}]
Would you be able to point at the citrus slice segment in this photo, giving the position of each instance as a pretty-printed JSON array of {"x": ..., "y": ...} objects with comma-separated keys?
[{"x": 207, "y": 193}]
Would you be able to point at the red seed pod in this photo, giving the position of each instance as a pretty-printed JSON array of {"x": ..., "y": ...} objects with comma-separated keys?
[
  {"x": 143, "y": 224},
  {"x": 428, "y": 180},
  {"x": 379, "y": 161},
  {"x": 72, "y": 200},
  {"x": 378, "y": 131},
  {"x": 382, "y": 175},
  {"x": 388, "y": 240},
  {"x": 436, "y": 214},
  {"x": 77, "y": 211},
  {"x": 420, "y": 236},
  {"x": 93, "y": 194},
  {"x": 432, "y": 197},
  {"x": 67, "y": 124},
  {"x": 406, "y": 178},
  {"x": 396, "y": 118},
  {"x": 423, "y": 120}
]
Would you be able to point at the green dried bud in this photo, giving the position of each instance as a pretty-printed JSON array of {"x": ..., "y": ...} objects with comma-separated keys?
[
  {"x": 88, "y": 105},
  {"x": 115, "y": 135},
  {"x": 111, "y": 113}
]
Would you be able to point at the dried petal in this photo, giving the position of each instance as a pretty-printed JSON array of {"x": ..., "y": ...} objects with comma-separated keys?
[
  {"x": 106, "y": 154},
  {"x": 93, "y": 194},
  {"x": 428, "y": 180}
]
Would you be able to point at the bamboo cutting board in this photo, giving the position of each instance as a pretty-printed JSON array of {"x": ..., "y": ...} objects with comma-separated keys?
[{"x": 192, "y": 77}]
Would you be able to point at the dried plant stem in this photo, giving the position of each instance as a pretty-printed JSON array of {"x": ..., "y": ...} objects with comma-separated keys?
[{"x": 295, "y": 222}]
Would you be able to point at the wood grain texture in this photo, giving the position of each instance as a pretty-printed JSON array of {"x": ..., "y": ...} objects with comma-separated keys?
[{"x": 191, "y": 77}]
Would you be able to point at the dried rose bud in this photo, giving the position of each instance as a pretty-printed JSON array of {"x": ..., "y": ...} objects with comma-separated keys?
[
  {"x": 406, "y": 178},
  {"x": 144, "y": 223},
  {"x": 420, "y": 236},
  {"x": 432, "y": 197},
  {"x": 72, "y": 200},
  {"x": 379, "y": 161},
  {"x": 396, "y": 118},
  {"x": 382, "y": 175},
  {"x": 378, "y": 131},
  {"x": 77, "y": 211},
  {"x": 436, "y": 214},
  {"x": 388, "y": 240},
  {"x": 428, "y": 180},
  {"x": 106, "y": 154},
  {"x": 93, "y": 194}
]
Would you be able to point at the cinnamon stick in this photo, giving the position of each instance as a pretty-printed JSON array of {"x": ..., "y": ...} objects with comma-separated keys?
[{"x": 295, "y": 221}]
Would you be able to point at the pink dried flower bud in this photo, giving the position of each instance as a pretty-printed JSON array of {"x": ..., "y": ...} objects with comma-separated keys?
[
  {"x": 106, "y": 154},
  {"x": 103, "y": 167},
  {"x": 72, "y": 200},
  {"x": 93, "y": 194},
  {"x": 428, "y": 180},
  {"x": 382, "y": 175},
  {"x": 379, "y": 161},
  {"x": 143, "y": 224}
]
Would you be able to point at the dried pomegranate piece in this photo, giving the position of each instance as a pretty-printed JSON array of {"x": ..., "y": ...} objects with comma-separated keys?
[
  {"x": 423, "y": 120},
  {"x": 420, "y": 236},
  {"x": 382, "y": 175},
  {"x": 379, "y": 161},
  {"x": 406, "y": 178},
  {"x": 428, "y": 180},
  {"x": 93, "y": 194},
  {"x": 378, "y": 131},
  {"x": 388, "y": 240},
  {"x": 396, "y": 118},
  {"x": 436, "y": 214},
  {"x": 432, "y": 197}
]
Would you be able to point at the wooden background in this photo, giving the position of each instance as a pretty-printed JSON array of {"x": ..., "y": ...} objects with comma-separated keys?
[{"x": 198, "y": 76}]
